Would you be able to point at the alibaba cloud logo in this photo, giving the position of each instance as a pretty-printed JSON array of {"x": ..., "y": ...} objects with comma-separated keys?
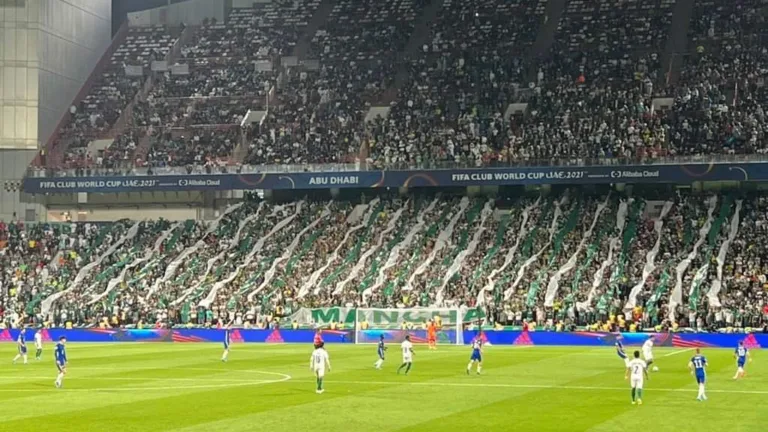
[{"x": 183, "y": 182}]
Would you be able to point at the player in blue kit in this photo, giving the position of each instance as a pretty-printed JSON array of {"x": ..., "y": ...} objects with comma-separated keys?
[
  {"x": 21, "y": 342},
  {"x": 741, "y": 354},
  {"x": 698, "y": 365},
  {"x": 61, "y": 360},
  {"x": 477, "y": 355},
  {"x": 227, "y": 340},
  {"x": 380, "y": 351},
  {"x": 620, "y": 352}
]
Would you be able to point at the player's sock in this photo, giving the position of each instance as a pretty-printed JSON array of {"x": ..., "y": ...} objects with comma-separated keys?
[
  {"x": 701, "y": 391},
  {"x": 320, "y": 384},
  {"x": 18, "y": 356},
  {"x": 408, "y": 369},
  {"x": 225, "y": 355},
  {"x": 469, "y": 367},
  {"x": 59, "y": 379},
  {"x": 401, "y": 367},
  {"x": 639, "y": 393},
  {"x": 633, "y": 394},
  {"x": 378, "y": 364},
  {"x": 479, "y": 368},
  {"x": 25, "y": 359},
  {"x": 38, "y": 354}
]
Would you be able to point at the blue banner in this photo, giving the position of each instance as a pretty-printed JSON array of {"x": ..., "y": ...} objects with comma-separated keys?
[
  {"x": 677, "y": 174},
  {"x": 504, "y": 337}
]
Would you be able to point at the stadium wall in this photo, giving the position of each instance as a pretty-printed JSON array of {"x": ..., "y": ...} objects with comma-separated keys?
[{"x": 677, "y": 340}]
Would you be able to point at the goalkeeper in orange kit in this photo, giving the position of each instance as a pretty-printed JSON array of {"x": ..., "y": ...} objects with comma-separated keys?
[{"x": 432, "y": 335}]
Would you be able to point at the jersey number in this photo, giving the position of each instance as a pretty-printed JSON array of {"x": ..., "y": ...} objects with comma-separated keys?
[
  {"x": 637, "y": 370},
  {"x": 698, "y": 364}
]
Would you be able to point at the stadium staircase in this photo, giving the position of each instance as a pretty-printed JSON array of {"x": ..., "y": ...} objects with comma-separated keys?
[
  {"x": 545, "y": 37},
  {"x": 421, "y": 35},
  {"x": 319, "y": 18},
  {"x": 677, "y": 40}
]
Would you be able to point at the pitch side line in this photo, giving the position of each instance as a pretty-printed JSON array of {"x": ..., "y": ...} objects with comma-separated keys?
[{"x": 532, "y": 386}]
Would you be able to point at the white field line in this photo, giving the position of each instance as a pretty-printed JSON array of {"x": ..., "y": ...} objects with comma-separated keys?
[
  {"x": 678, "y": 352},
  {"x": 531, "y": 386}
]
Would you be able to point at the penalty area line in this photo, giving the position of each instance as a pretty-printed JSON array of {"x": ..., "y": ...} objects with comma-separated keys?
[
  {"x": 530, "y": 386},
  {"x": 678, "y": 352}
]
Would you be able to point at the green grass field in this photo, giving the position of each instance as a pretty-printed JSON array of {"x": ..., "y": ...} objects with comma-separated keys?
[{"x": 184, "y": 387}]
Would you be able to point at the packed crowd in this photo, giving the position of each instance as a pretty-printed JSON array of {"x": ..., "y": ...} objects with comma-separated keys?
[
  {"x": 690, "y": 261},
  {"x": 591, "y": 97},
  {"x": 110, "y": 95}
]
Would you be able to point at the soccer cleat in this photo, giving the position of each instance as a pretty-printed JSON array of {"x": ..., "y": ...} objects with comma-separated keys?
[
  {"x": 467, "y": 371},
  {"x": 633, "y": 402},
  {"x": 639, "y": 401},
  {"x": 321, "y": 391},
  {"x": 57, "y": 384}
]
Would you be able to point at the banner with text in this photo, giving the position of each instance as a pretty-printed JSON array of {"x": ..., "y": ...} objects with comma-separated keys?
[
  {"x": 382, "y": 318},
  {"x": 677, "y": 174}
]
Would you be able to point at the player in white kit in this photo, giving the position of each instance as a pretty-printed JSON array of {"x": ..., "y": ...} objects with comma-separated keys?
[
  {"x": 407, "y": 348},
  {"x": 648, "y": 353},
  {"x": 38, "y": 344},
  {"x": 317, "y": 364},
  {"x": 637, "y": 373}
]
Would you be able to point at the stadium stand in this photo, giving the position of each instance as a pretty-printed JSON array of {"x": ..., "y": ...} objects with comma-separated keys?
[
  {"x": 576, "y": 258},
  {"x": 569, "y": 256}
]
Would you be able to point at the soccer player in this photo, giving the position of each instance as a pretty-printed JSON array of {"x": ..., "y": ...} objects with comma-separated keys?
[
  {"x": 648, "y": 353},
  {"x": 741, "y": 354},
  {"x": 317, "y": 364},
  {"x": 380, "y": 352},
  {"x": 407, "y": 348},
  {"x": 637, "y": 373},
  {"x": 698, "y": 365},
  {"x": 21, "y": 342},
  {"x": 621, "y": 353},
  {"x": 432, "y": 335},
  {"x": 477, "y": 354},
  {"x": 61, "y": 360},
  {"x": 38, "y": 344},
  {"x": 227, "y": 341}
]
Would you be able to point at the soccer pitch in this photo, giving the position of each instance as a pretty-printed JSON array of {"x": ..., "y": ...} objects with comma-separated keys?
[{"x": 185, "y": 387}]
